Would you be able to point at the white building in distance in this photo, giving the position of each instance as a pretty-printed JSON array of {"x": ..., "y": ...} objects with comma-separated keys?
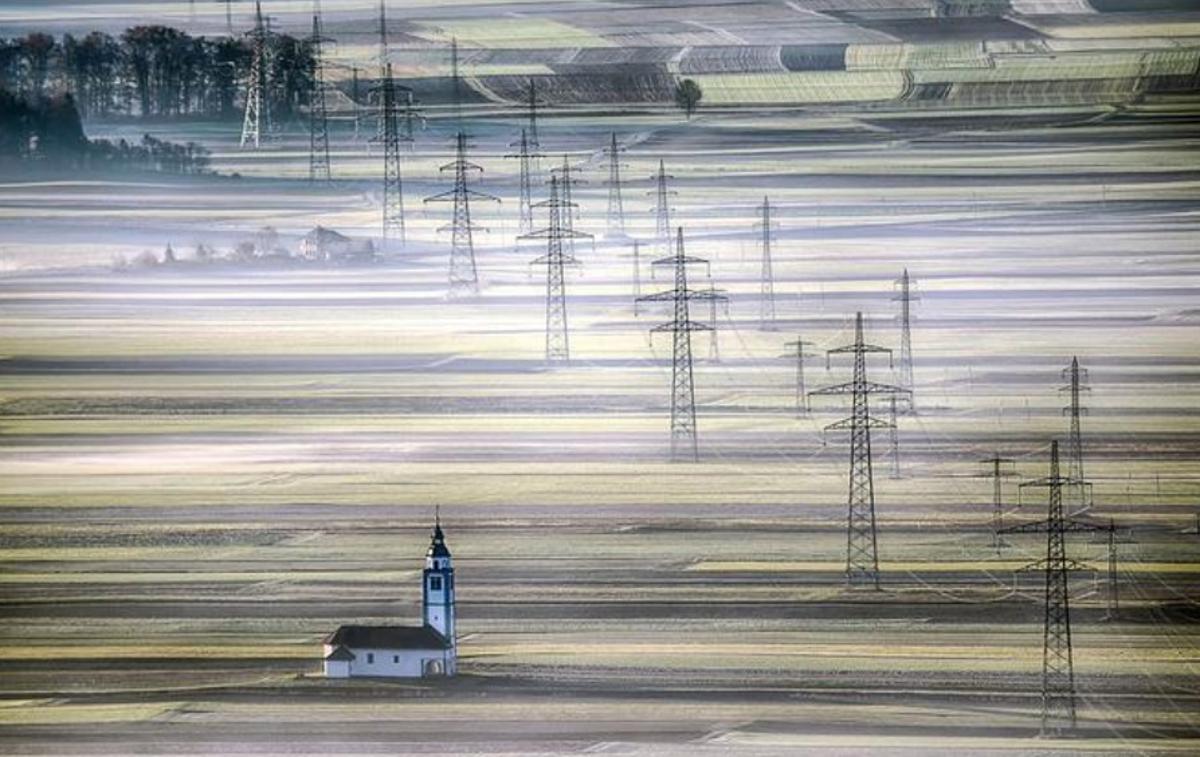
[{"x": 404, "y": 651}]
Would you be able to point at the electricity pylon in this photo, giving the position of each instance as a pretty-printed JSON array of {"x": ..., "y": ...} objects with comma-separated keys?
[
  {"x": 802, "y": 401},
  {"x": 905, "y": 297},
  {"x": 637, "y": 269},
  {"x": 354, "y": 100},
  {"x": 998, "y": 473},
  {"x": 566, "y": 182},
  {"x": 684, "y": 443},
  {"x": 558, "y": 347},
  {"x": 893, "y": 438},
  {"x": 862, "y": 554},
  {"x": 456, "y": 83},
  {"x": 1113, "y": 600},
  {"x": 257, "y": 121},
  {"x": 1076, "y": 379},
  {"x": 615, "y": 226},
  {"x": 662, "y": 209},
  {"x": 714, "y": 344},
  {"x": 526, "y": 205},
  {"x": 318, "y": 117},
  {"x": 1058, "y": 672},
  {"x": 464, "y": 277},
  {"x": 382, "y": 56},
  {"x": 393, "y": 183},
  {"x": 411, "y": 116},
  {"x": 534, "y": 142},
  {"x": 766, "y": 303},
  {"x": 383, "y": 38}
]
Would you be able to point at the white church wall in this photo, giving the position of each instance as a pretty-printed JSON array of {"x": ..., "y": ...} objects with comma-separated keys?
[{"x": 391, "y": 662}]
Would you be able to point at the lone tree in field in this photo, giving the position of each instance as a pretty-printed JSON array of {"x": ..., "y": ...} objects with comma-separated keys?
[{"x": 687, "y": 96}]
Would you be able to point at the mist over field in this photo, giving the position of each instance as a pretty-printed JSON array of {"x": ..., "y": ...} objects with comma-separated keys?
[{"x": 229, "y": 404}]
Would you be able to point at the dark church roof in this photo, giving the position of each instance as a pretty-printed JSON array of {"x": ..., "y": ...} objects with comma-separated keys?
[
  {"x": 437, "y": 545},
  {"x": 388, "y": 637}
]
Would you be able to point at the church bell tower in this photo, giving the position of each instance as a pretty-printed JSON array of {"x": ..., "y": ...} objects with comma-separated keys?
[{"x": 438, "y": 592}]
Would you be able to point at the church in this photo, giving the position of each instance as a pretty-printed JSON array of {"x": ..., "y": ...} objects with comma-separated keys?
[{"x": 404, "y": 651}]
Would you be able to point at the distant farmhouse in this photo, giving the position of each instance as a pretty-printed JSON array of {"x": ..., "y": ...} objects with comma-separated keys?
[
  {"x": 329, "y": 246},
  {"x": 404, "y": 651}
]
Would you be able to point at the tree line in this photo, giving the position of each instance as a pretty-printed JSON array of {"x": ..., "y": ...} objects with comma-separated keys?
[
  {"x": 48, "y": 131},
  {"x": 154, "y": 72}
]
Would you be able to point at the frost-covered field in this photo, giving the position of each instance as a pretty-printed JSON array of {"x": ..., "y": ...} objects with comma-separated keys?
[{"x": 204, "y": 469}]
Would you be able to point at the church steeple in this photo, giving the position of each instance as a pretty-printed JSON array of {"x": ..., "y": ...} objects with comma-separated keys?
[{"x": 438, "y": 591}]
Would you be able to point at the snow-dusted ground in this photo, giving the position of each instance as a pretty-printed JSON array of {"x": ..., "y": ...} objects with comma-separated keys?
[{"x": 204, "y": 469}]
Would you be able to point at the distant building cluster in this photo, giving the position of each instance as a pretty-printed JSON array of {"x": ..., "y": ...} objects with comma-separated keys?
[{"x": 265, "y": 248}]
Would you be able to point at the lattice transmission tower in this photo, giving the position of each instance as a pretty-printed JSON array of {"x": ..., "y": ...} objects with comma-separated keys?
[
  {"x": 893, "y": 437},
  {"x": 766, "y": 303},
  {"x": 615, "y": 221},
  {"x": 558, "y": 346},
  {"x": 797, "y": 353},
  {"x": 905, "y": 296},
  {"x": 318, "y": 115},
  {"x": 256, "y": 124},
  {"x": 464, "y": 277},
  {"x": 1058, "y": 670},
  {"x": 662, "y": 211},
  {"x": 412, "y": 116},
  {"x": 1076, "y": 379},
  {"x": 999, "y": 469},
  {"x": 535, "y": 142},
  {"x": 637, "y": 269},
  {"x": 393, "y": 226},
  {"x": 862, "y": 555},
  {"x": 714, "y": 343},
  {"x": 382, "y": 60},
  {"x": 684, "y": 444},
  {"x": 1058, "y": 679},
  {"x": 526, "y": 156},
  {"x": 355, "y": 94},
  {"x": 566, "y": 182}
]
